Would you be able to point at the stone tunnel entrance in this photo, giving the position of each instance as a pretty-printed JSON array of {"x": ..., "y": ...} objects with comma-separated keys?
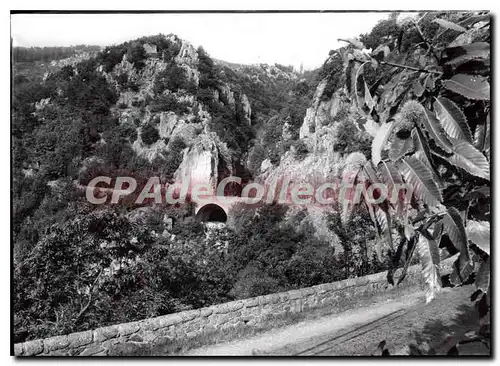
[{"x": 211, "y": 213}]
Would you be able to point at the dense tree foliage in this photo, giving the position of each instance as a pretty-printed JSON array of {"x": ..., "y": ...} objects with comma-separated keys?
[
  {"x": 149, "y": 134},
  {"x": 127, "y": 269}
]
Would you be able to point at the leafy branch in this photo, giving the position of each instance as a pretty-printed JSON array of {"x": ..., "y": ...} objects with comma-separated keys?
[{"x": 89, "y": 302}]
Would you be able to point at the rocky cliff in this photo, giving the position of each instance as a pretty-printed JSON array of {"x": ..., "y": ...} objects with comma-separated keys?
[{"x": 205, "y": 155}]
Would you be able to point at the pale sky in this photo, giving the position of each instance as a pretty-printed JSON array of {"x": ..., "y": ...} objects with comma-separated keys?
[{"x": 289, "y": 39}]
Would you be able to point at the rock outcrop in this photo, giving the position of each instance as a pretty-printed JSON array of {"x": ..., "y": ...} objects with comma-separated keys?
[
  {"x": 321, "y": 117},
  {"x": 205, "y": 155},
  {"x": 246, "y": 108},
  {"x": 203, "y": 160}
]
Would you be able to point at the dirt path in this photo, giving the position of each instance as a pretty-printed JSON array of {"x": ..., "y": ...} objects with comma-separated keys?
[{"x": 359, "y": 331}]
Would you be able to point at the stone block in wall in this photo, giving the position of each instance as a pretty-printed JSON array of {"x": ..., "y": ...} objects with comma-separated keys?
[
  {"x": 230, "y": 307},
  {"x": 295, "y": 294},
  {"x": 263, "y": 300},
  {"x": 136, "y": 338},
  {"x": 224, "y": 318},
  {"x": 192, "y": 326},
  {"x": 308, "y": 291},
  {"x": 61, "y": 352},
  {"x": 246, "y": 318},
  {"x": 55, "y": 343},
  {"x": 127, "y": 349},
  {"x": 128, "y": 328},
  {"x": 296, "y": 306},
  {"x": 92, "y": 350},
  {"x": 18, "y": 349},
  {"x": 238, "y": 324},
  {"x": 256, "y": 310},
  {"x": 150, "y": 336},
  {"x": 252, "y": 302},
  {"x": 329, "y": 286},
  {"x": 252, "y": 323},
  {"x": 190, "y": 315},
  {"x": 275, "y": 298},
  {"x": 210, "y": 328},
  {"x": 205, "y": 312},
  {"x": 110, "y": 343},
  {"x": 284, "y": 297},
  {"x": 320, "y": 289},
  {"x": 103, "y": 334},
  {"x": 164, "y": 322},
  {"x": 201, "y": 321},
  {"x": 80, "y": 339},
  {"x": 33, "y": 348}
]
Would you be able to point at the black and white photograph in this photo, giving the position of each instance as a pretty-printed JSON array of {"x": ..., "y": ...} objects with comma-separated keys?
[{"x": 250, "y": 183}]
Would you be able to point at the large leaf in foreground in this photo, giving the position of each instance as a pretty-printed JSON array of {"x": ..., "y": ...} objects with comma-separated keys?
[
  {"x": 347, "y": 200},
  {"x": 384, "y": 220},
  {"x": 452, "y": 119},
  {"x": 470, "y": 159},
  {"x": 400, "y": 147},
  {"x": 482, "y": 137},
  {"x": 409, "y": 255},
  {"x": 478, "y": 232},
  {"x": 429, "y": 258},
  {"x": 435, "y": 131},
  {"x": 420, "y": 178},
  {"x": 457, "y": 56},
  {"x": 474, "y": 87},
  {"x": 354, "y": 41},
  {"x": 449, "y": 25},
  {"x": 380, "y": 141},
  {"x": 454, "y": 227},
  {"x": 423, "y": 153},
  {"x": 391, "y": 177},
  {"x": 483, "y": 276}
]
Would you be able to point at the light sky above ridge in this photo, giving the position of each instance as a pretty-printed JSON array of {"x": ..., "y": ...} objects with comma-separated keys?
[{"x": 285, "y": 38}]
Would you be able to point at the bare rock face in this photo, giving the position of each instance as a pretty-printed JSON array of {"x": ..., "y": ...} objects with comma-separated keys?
[
  {"x": 227, "y": 95},
  {"x": 192, "y": 73},
  {"x": 321, "y": 117},
  {"x": 246, "y": 108},
  {"x": 126, "y": 98},
  {"x": 149, "y": 152},
  {"x": 277, "y": 73},
  {"x": 265, "y": 166},
  {"x": 286, "y": 133},
  {"x": 40, "y": 105},
  {"x": 201, "y": 162},
  {"x": 187, "y": 54},
  {"x": 169, "y": 121},
  {"x": 314, "y": 169},
  {"x": 150, "y": 49}
]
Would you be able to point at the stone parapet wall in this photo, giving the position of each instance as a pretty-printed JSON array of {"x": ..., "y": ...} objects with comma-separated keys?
[{"x": 232, "y": 316}]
